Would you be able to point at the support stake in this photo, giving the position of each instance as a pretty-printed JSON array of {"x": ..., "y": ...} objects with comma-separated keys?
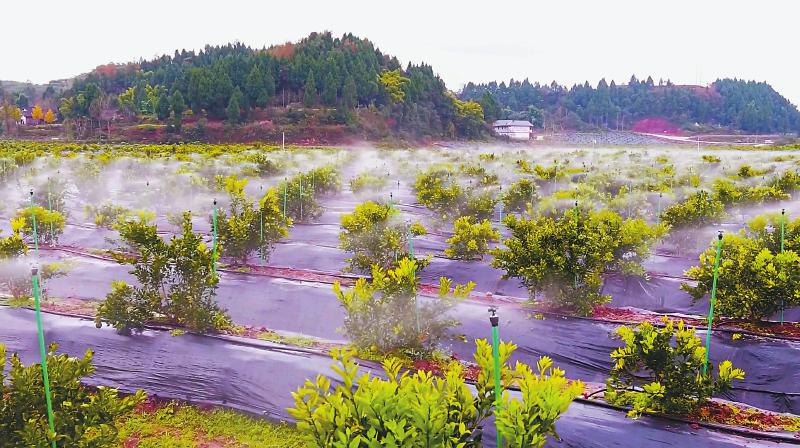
[
  {"x": 494, "y": 319},
  {"x": 43, "y": 352},
  {"x": 783, "y": 225},
  {"x": 711, "y": 305},
  {"x": 214, "y": 234}
]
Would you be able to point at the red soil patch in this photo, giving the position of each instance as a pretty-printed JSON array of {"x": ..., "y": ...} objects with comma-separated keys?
[{"x": 655, "y": 125}]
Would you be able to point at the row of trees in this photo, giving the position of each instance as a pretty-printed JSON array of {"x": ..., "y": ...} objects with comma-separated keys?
[
  {"x": 747, "y": 105},
  {"x": 231, "y": 81}
]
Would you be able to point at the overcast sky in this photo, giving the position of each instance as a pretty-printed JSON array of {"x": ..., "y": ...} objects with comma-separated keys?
[{"x": 567, "y": 41}]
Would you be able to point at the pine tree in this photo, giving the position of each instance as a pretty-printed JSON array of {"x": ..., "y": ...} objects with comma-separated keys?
[{"x": 310, "y": 91}]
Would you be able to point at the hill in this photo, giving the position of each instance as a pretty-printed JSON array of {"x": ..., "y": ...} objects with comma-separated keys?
[{"x": 640, "y": 105}]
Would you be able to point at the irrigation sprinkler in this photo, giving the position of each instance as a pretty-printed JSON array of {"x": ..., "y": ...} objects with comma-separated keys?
[
  {"x": 783, "y": 225},
  {"x": 33, "y": 221},
  {"x": 391, "y": 199},
  {"x": 50, "y": 209},
  {"x": 43, "y": 351},
  {"x": 261, "y": 227},
  {"x": 214, "y": 235},
  {"x": 301, "y": 198},
  {"x": 494, "y": 319},
  {"x": 713, "y": 297}
]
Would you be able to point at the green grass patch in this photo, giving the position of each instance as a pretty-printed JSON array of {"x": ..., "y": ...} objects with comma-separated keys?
[
  {"x": 174, "y": 425},
  {"x": 297, "y": 341}
]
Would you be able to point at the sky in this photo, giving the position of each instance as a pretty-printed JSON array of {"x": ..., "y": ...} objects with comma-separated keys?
[{"x": 689, "y": 42}]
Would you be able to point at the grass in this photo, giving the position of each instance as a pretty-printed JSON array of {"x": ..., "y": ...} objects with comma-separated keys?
[
  {"x": 175, "y": 425},
  {"x": 297, "y": 341}
]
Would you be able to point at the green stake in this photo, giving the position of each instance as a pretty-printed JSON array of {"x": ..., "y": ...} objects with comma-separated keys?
[
  {"x": 577, "y": 223},
  {"x": 285, "y": 186},
  {"x": 301, "y": 199},
  {"x": 783, "y": 221},
  {"x": 498, "y": 393},
  {"x": 35, "y": 233},
  {"x": 43, "y": 352},
  {"x": 658, "y": 212},
  {"x": 50, "y": 209},
  {"x": 713, "y": 296},
  {"x": 411, "y": 254},
  {"x": 214, "y": 234},
  {"x": 501, "y": 203}
]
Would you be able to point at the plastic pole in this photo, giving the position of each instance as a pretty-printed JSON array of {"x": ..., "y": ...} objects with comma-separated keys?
[
  {"x": 214, "y": 234},
  {"x": 285, "y": 186},
  {"x": 414, "y": 274},
  {"x": 501, "y": 204},
  {"x": 43, "y": 352},
  {"x": 658, "y": 212},
  {"x": 783, "y": 222},
  {"x": 301, "y": 199},
  {"x": 713, "y": 296},
  {"x": 50, "y": 209},
  {"x": 494, "y": 319},
  {"x": 35, "y": 233},
  {"x": 261, "y": 232},
  {"x": 577, "y": 222}
]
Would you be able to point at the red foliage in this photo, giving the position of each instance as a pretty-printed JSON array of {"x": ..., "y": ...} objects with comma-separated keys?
[
  {"x": 655, "y": 125},
  {"x": 285, "y": 51}
]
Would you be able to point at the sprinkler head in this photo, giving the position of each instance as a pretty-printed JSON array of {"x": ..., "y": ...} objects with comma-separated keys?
[
  {"x": 783, "y": 211},
  {"x": 215, "y": 202},
  {"x": 34, "y": 270},
  {"x": 31, "y": 192},
  {"x": 494, "y": 319},
  {"x": 719, "y": 235}
]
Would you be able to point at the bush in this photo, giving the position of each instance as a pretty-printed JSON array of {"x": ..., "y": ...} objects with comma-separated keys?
[
  {"x": 707, "y": 158},
  {"x": 565, "y": 257},
  {"x": 381, "y": 317},
  {"x": 107, "y": 214},
  {"x": 49, "y": 224},
  {"x": 376, "y": 236},
  {"x": 439, "y": 191},
  {"x": 698, "y": 209},
  {"x": 366, "y": 181},
  {"x": 519, "y": 195},
  {"x": 753, "y": 281},
  {"x": 303, "y": 190},
  {"x": 420, "y": 410},
  {"x": 175, "y": 280},
  {"x": 470, "y": 240},
  {"x": 83, "y": 416},
  {"x": 13, "y": 246},
  {"x": 244, "y": 229},
  {"x": 673, "y": 381}
]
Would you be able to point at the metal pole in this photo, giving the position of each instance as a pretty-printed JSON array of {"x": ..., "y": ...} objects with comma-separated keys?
[
  {"x": 711, "y": 305},
  {"x": 35, "y": 233},
  {"x": 43, "y": 352},
  {"x": 214, "y": 234},
  {"x": 494, "y": 319},
  {"x": 783, "y": 222}
]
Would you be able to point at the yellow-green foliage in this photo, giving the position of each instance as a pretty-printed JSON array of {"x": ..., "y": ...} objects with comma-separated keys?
[
  {"x": 49, "y": 225},
  {"x": 470, "y": 239},
  {"x": 419, "y": 410}
]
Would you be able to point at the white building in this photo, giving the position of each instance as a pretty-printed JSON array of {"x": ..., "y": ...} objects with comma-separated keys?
[{"x": 513, "y": 129}]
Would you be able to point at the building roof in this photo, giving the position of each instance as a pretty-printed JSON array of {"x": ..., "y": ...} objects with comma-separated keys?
[{"x": 500, "y": 123}]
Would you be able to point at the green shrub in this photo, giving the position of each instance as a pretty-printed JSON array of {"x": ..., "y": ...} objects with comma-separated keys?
[
  {"x": 49, "y": 224},
  {"x": 83, "y": 416},
  {"x": 376, "y": 236},
  {"x": 244, "y": 229},
  {"x": 753, "y": 281},
  {"x": 698, "y": 209},
  {"x": 470, "y": 240},
  {"x": 13, "y": 246},
  {"x": 176, "y": 280},
  {"x": 565, "y": 256},
  {"x": 519, "y": 195},
  {"x": 419, "y": 410},
  {"x": 107, "y": 214},
  {"x": 366, "y": 181},
  {"x": 385, "y": 315},
  {"x": 707, "y": 158},
  {"x": 661, "y": 370},
  {"x": 438, "y": 190}
]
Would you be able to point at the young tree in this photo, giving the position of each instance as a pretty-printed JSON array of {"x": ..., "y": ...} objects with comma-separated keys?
[
  {"x": 50, "y": 117},
  {"x": 699, "y": 208},
  {"x": 84, "y": 416},
  {"x": 245, "y": 229},
  {"x": 376, "y": 236},
  {"x": 517, "y": 197},
  {"x": 565, "y": 257},
  {"x": 234, "y": 109},
  {"x": 310, "y": 91},
  {"x": 381, "y": 314},
  {"x": 422, "y": 410},
  {"x": 470, "y": 239},
  {"x": 49, "y": 224},
  {"x": 37, "y": 113},
  {"x": 753, "y": 281},
  {"x": 175, "y": 279},
  {"x": 661, "y": 370},
  {"x": 178, "y": 106}
]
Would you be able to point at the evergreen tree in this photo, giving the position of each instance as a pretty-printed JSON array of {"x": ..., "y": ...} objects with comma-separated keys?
[
  {"x": 310, "y": 91},
  {"x": 234, "y": 110}
]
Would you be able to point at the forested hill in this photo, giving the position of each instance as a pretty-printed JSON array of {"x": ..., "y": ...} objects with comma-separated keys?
[
  {"x": 735, "y": 104},
  {"x": 322, "y": 79}
]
